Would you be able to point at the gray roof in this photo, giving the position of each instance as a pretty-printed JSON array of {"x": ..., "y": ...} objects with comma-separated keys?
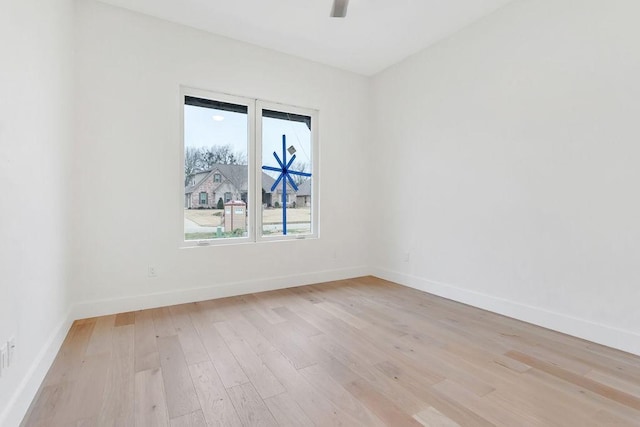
[
  {"x": 267, "y": 182},
  {"x": 235, "y": 174},
  {"x": 304, "y": 189},
  {"x": 197, "y": 180}
]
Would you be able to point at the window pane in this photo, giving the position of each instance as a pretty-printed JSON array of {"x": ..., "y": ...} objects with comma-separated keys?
[
  {"x": 216, "y": 175},
  {"x": 286, "y": 202}
]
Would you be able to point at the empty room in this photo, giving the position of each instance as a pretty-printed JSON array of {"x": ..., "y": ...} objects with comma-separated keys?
[{"x": 318, "y": 213}]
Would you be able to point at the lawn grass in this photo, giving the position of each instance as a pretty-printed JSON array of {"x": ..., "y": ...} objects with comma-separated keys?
[
  {"x": 214, "y": 217},
  {"x": 209, "y": 235}
]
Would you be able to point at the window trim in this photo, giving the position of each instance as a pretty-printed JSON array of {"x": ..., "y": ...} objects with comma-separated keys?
[{"x": 254, "y": 167}]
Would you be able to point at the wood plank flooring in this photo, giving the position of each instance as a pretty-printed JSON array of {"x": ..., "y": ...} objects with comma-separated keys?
[{"x": 359, "y": 352}]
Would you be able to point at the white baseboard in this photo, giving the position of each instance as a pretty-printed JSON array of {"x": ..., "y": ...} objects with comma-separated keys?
[
  {"x": 602, "y": 334},
  {"x": 26, "y": 391},
  {"x": 19, "y": 403},
  {"x": 161, "y": 299}
]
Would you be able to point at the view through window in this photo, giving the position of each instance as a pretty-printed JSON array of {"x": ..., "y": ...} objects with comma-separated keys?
[
  {"x": 248, "y": 169},
  {"x": 293, "y": 192},
  {"x": 216, "y": 172}
]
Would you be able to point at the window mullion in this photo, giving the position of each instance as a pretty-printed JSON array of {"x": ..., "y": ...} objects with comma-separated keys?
[{"x": 258, "y": 169}]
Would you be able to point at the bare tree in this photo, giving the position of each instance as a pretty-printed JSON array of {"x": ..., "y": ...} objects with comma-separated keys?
[
  {"x": 221, "y": 154},
  {"x": 192, "y": 163},
  {"x": 300, "y": 167}
]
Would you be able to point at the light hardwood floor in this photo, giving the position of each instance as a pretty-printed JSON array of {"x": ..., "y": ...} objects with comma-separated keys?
[{"x": 354, "y": 352}]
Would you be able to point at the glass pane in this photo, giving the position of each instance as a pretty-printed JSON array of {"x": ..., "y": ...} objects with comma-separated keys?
[
  {"x": 286, "y": 197},
  {"x": 216, "y": 175}
]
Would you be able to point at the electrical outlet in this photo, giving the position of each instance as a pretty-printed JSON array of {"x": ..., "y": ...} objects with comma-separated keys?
[
  {"x": 11, "y": 351},
  {"x": 152, "y": 271}
]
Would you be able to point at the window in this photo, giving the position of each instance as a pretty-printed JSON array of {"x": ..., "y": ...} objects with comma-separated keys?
[
  {"x": 203, "y": 198},
  {"x": 216, "y": 143},
  {"x": 266, "y": 152},
  {"x": 287, "y": 136}
]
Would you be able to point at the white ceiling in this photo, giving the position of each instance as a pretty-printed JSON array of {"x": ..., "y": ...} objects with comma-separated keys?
[{"x": 374, "y": 35}]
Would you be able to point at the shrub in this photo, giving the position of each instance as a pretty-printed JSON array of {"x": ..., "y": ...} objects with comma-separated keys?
[
  {"x": 276, "y": 205},
  {"x": 220, "y": 204}
]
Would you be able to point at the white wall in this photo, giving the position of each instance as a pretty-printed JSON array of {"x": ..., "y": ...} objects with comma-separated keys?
[
  {"x": 510, "y": 150},
  {"x": 35, "y": 138},
  {"x": 513, "y": 148},
  {"x": 127, "y": 177}
]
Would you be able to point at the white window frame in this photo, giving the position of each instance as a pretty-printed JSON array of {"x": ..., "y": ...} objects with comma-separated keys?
[
  {"x": 254, "y": 167},
  {"x": 265, "y": 105},
  {"x": 232, "y": 99}
]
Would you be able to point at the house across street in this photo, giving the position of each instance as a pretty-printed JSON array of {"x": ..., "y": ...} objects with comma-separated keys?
[{"x": 229, "y": 182}]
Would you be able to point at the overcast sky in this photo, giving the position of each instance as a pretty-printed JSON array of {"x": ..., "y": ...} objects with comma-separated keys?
[{"x": 202, "y": 130}]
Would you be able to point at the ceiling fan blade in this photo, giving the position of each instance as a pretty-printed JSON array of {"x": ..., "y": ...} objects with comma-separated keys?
[{"x": 339, "y": 9}]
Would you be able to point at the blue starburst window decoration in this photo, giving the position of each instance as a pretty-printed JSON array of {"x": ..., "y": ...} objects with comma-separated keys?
[{"x": 284, "y": 177}]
